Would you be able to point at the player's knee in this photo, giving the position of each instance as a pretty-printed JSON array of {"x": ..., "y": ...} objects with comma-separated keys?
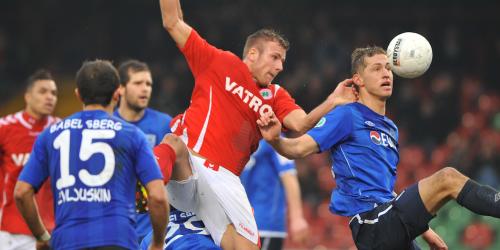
[
  {"x": 176, "y": 143},
  {"x": 448, "y": 178}
]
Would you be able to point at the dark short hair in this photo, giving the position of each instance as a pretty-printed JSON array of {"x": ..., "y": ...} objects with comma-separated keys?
[
  {"x": 130, "y": 66},
  {"x": 40, "y": 74},
  {"x": 264, "y": 35},
  {"x": 97, "y": 81},
  {"x": 358, "y": 57}
]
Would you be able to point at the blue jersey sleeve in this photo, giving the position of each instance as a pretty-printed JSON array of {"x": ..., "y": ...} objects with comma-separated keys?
[
  {"x": 36, "y": 170},
  {"x": 333, "y": 128},
  {"x": 146, "y": 166}
]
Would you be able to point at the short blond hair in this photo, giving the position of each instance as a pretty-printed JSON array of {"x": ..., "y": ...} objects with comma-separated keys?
[
  {"x": 359, "y": 54},
  {"x": 254, "y": 40}
]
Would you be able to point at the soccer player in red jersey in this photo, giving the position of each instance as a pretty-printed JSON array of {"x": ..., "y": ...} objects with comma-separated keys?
[
  {"x": 219, "y": 127},
  {"x": 17, "y": 134}
]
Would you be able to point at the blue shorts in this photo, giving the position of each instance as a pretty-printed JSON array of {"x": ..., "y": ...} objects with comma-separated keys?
[{"x": 392, "y": 225}]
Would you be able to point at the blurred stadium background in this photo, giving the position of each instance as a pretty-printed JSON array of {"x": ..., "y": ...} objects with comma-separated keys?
[{"x": 449, "y": 116}]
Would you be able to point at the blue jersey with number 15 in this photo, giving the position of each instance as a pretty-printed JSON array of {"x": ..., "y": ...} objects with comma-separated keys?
[{"x": 94, "y": 161}]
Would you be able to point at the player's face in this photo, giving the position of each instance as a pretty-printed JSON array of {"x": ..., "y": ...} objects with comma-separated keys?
[
  {"x": 269, "y": 63},
  {"x": 41, "y": 99},
  {"x": 377, "y": 76},
  {"x": 137, "y": 91}
]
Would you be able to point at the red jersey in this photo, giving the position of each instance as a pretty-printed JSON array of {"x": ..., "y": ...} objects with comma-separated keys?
[
  {"x": 17, "y": 136},
  {"x": 220, "y": 123}
]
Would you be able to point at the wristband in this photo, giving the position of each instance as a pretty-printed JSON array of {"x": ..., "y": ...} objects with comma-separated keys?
[{"x": 44, "y": 237}]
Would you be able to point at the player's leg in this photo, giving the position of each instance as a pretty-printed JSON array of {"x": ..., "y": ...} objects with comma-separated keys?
[
  {"x": 448, "y": 183},
  {"x": 271, "y": 243},
  {"x": 173, "y": 156},
  {"x": 224, "y": 207},
  {"x": 174, "y": 160},
  {"x": 232, "y": 240}
]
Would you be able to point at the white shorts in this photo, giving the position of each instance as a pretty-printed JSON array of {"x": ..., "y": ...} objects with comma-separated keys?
[
  {"x": 10, "y": 241},
  {"x": 217, "y": 197}
]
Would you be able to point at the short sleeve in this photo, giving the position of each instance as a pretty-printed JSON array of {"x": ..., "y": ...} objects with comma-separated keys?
[
  {"x": 283, "y": 103},
  {"x": 198, "y": 53},
  {"x": 36, "y": 170},
  {"x": 146, "y": 166},
  {"x": 333, "y": 128}
]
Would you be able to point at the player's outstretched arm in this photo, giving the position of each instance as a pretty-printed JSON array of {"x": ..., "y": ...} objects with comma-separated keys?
[
  {"x": 173, "y": 22},
  {"x": 301, "y": 122},
  {"x": 158, "y": 211},
  {"x": 299, "y": 147},
  {"x": 24, "y": 194}
]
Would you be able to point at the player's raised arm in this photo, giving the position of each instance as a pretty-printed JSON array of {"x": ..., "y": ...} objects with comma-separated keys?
[
  {"x": 301, "y": 122},
  {"x": 171, "y": 14}
]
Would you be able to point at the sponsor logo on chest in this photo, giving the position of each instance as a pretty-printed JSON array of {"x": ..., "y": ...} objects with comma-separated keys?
[
  {"x": 382, "y": 139},
  {"x": 246, "y": 96}
]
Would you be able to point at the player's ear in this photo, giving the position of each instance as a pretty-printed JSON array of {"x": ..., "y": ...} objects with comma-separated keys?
[
  {"x": 253, "y": 54},
  {"x": 116, "y": 94},
  {"x": 121, "y": 90},
  {"x": 357, "y": 80}
]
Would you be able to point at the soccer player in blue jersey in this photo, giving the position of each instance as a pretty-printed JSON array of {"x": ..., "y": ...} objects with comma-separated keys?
[
  {"x": 185, "y": 231},
  {"x": 136, "y": 85},
  {"x": 363, "y": 144},
  {"x": 93, "y": 160},
  {"x": 272, "y": 186}
]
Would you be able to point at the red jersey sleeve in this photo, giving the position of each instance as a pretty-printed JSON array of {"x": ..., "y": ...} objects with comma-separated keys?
[
  {"x": 198, "y": 53},
  {"x": 283, "y": 103}
]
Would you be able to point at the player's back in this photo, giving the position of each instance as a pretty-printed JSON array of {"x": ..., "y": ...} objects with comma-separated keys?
[{"x": 94, "y": 160}]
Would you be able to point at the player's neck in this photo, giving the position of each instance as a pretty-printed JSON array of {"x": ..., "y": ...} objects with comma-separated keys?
[
  {"x": 129, "y": 114},
  {"x": 377, "y": 105},
  {"x": 108, "y": 109}
]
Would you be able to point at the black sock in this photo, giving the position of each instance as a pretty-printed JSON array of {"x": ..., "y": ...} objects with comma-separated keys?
[{"x": 483, "y": 200}]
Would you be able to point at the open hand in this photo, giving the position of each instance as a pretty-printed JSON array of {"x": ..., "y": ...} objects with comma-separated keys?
[{"x": 344, "y": 93}]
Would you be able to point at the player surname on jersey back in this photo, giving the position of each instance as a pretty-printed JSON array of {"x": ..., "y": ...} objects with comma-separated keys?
[{"x": 77, "y": 123}]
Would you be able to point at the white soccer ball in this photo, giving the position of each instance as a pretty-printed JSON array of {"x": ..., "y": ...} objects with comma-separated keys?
[{"x": 410, "y": 55}]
